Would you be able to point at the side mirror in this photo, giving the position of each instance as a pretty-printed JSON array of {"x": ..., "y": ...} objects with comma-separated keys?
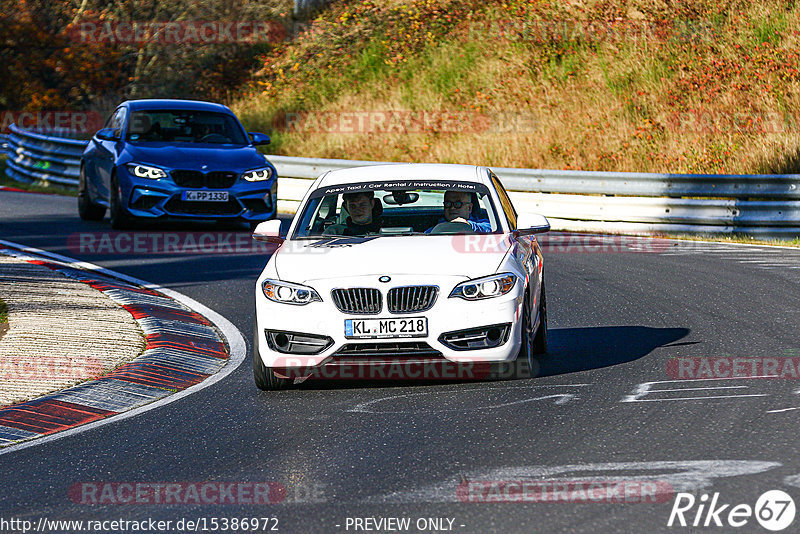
[
  {"x": 108, "y": 134},
  {"x": 532, "y": 223},
  {"x": 258, "y": 138},
  {"x": 269, "y": 231}
]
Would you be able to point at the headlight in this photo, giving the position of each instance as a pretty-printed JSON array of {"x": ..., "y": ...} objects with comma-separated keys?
[
  {"x": 146, "y": 171},
  {"x": 486, "y": 287},
  {"x": 258, "y": 175},
  {"x": 288, "y": 293}
]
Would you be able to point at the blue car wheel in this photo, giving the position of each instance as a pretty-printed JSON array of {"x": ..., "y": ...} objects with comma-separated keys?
[
  {"x": 120, "y": 218},
  {"x": 88, "y": 210}
]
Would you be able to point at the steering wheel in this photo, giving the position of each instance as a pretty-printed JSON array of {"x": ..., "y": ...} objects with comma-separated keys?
[
  {"x": 445, "y": 228},
  {"x": 214, "y": 138}
]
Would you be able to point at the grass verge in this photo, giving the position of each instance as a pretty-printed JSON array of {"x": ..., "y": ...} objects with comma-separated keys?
[
  {"x": 735, "y": 238},
  {"x": 3, "y": 318},
  {"x": 710, "y": 86}
]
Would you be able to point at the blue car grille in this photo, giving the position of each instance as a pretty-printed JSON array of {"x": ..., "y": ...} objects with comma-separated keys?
[
  {"x": 211, "y": 180},
  {"x": 176, "y": 205}
]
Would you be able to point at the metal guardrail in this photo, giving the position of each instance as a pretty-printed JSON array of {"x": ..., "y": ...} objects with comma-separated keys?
[
  {"x": 765, "y": 205},
  {"x": 35, "y": 157}
]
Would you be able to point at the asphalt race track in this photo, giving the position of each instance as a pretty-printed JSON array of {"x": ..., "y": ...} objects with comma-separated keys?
[{"x": 606, "y": 406}]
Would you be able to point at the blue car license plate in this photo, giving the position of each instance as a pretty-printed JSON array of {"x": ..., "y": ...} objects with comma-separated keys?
[{"x": 205, "y": 196}]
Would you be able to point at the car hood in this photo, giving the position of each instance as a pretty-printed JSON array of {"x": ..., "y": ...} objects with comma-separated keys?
[
  {"x": 236, "y": 158},
  {"x": 469, "y": 256}
]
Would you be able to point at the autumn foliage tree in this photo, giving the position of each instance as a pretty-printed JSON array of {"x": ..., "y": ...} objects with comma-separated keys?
[{"x": 47, "y": 64}]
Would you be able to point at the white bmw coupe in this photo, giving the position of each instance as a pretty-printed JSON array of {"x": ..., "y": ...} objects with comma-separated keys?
[{"x": 399, "y": 264}]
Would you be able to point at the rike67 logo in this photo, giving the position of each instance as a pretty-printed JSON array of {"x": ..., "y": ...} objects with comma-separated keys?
[{"x": 774, "y": 510}]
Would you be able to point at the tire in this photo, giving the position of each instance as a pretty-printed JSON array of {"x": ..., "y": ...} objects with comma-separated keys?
[
  {"x": 88, "y": 210},
  {"x": 120, "y": 220},
  {"x": 526, "y": 364},
  {"x": 540, "y": 341},
  {"x": 264, "y": 377}
]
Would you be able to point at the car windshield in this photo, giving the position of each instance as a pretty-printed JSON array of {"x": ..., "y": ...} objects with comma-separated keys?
[
  {"x": 395, "y": 208},
  {"x": 185, "y": 126}
]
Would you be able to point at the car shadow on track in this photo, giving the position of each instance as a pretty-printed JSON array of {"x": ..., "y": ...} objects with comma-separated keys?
[{"x": 572, "y": 350}]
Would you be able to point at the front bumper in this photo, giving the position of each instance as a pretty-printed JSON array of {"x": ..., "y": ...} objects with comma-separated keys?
[
  {"x": 162, "y": 198},
  {"x": 321, "y": 326}
]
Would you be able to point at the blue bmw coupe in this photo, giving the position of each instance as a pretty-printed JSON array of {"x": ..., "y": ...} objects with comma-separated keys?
[{"x": 175, "y": 159}]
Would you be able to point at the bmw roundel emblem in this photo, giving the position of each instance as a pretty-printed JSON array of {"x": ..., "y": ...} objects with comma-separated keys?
[{"x": 385, "y": 279}]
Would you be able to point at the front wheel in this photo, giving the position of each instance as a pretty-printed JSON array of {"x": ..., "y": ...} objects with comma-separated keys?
[
  {"x": 88, "y": 210},
  {"x": 526, "y": 364},
  {"x": 120, "y": 218},
  {"x": 264, "y": 377},
  {"x": 540, "y": 341}
]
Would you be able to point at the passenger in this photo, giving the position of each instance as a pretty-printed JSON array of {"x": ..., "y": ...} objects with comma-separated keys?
[
  {"x": 462, "y": 207},
  {"x": 365, "y": 215}
]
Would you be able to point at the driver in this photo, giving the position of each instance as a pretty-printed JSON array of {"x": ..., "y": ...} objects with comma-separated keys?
[
  {"x": 201, "y": 130},
  {"x": 459, "y": 208},
  {"x": 365, "y": 215}
]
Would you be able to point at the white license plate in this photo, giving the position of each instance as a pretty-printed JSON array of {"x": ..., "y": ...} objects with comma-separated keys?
[
  {"x": 206, "y": 196},
  {"x": 376, "y": 328}
]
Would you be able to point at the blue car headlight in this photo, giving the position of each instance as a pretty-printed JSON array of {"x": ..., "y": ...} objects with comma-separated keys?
[
  {"x": 486, "y": 287},
  {"x": 258, "y": 175},
  {"x": 288, "y": 293},
  {"x": 146, "y": 171}
]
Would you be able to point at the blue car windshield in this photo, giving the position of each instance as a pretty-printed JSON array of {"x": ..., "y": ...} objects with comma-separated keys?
[{"x": 185, "y": 126}]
